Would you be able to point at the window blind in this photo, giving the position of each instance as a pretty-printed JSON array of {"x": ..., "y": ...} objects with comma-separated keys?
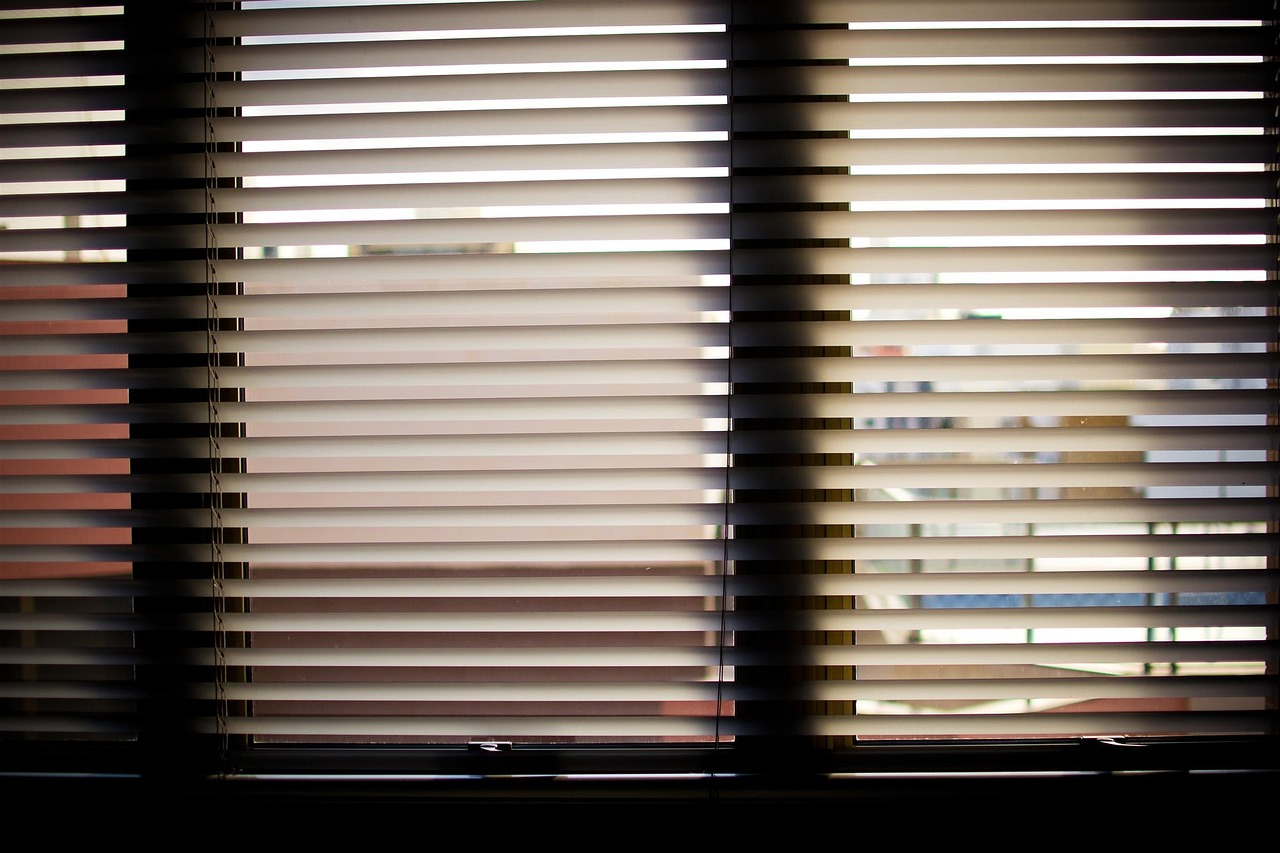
[
  {"x": 999, "y": 363},
  {"x": 680, "y": 373},
  {"x": 482, "y": 310},
  {"x": 67, "y": 529}
]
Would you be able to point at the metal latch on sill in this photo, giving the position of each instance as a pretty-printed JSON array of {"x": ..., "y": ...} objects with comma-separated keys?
[
  {"x": 489, "y": 745},
  {"x": 1107, "y": 741}
]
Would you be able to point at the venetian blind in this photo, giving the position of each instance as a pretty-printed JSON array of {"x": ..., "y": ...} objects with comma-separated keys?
[
  {"x": 1004, "y": 340},
  {"x": 681, "y": 372},
  {"x": 481, "y": 313},
  {"x": 66, "y": 526}
]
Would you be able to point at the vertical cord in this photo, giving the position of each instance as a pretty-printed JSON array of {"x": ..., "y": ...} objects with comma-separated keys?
[{"x": 217, "y": 566}]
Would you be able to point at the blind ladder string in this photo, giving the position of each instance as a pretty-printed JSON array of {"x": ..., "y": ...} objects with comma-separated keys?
[{"x": 212, "y": 356}]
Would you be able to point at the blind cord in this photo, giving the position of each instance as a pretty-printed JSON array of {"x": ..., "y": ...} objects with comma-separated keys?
[{"x": 217, "y": 564}]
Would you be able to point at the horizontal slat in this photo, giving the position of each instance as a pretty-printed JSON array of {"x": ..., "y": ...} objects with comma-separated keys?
[
  {"x": 850, "y": 655},
  {"x": 618, "y": 515},
  {"x": 950, "y": 114},
  {"x": 1003, "y": 259},
  {"x": 1151, "y": 370},
  {"x": 979, "y": 404},
  {"x": 479, "y": 622},
  {"x": 107, "y": 95},
  {"x": 942, "y": 43},
  {"x": 1087, "y": 294},
  {"x": 997, "y": 725},
  {"x": 592, "y": 371},
  {"x": 476, "y": 156},
  {"x": 456, "y": 16},
  {"x": 106, "y": 130},
  {"x": 610, "y": 190},
  {"x": 95, "y": 623},
  {"x": 1191, "y": 224},
  {"x": 411, "y": 232},
  {"x": 1021, "y": 368},
  {"x": 1051, "y": 225},
  {"x": 625, "y": 479},
  {"x": 637, "y": 479},
  {"x": 399, "y": 86},
  {"x": 654, "y": 407},
  {"x": 609, "y": 300},
  {"x": 986, "y": 330},
  {"x": 473, "y": 157},
  {"x": 619, "y": 512},
  {"x": 979, "y": 79},
  {"x": 551, "y": 154},
  {"x": 644, "y": 622},
  {"x": 659, "y": 298},
  {"x": 1072, "y": 404},
  {"x": 517, "y": 657},
  {"x": 95, "y": 726},
  {"x": 710, "y": 691},
  {"x": 945, "y": 546},
  {"x": 87, "y": 201},
  {"x": 59, "y": 23},
  {"x": 669, "y": 191},
  {"x": 621, "y": 551},
  {"x": 368, "y": 443},
  {"x": 1070, "y": 723},
  {"x": 1022, "y": 582},
  {"x": 580, "y": 621},
  {"x": 101, "y": 589},
  {"x": 461, "y": 123},
  {"x": 1010, "y": 189},
  {"x": 868, "y": 192},
  {"x": 384, "y": 725},
  {"x": 982, "y": 440},
  {"x": 479, "y": 52},
  {"x": 603, "y": 693},
  {"x": 63, "y": 64},
  {"x": 567, "y": 267},
  {"x": 1030, "y": 618},
  {"x": 77, "y": 690},
  {"x": 652, "y": 584},
  {"x": 621, "y": 297},
  {"x": 615, "y": 85},
  {"x": 599, "y": 338},
  {"x": 1076, "y": 655},
  {"x": 570, "y": 377},
  {"x": 605, "y": 726},
  {"x": 619, "y": 336},
  {"x": 58, "y": 456},
  {"x": 956, "y": 149},
  {"x": 940, "y": 11},
  {"x": 1009, "y": 476}
]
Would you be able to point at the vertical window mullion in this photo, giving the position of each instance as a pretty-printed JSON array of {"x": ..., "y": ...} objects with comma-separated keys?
[
  {"x": 776, "y": 428},
  {"x": 169, "y": 424}
]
